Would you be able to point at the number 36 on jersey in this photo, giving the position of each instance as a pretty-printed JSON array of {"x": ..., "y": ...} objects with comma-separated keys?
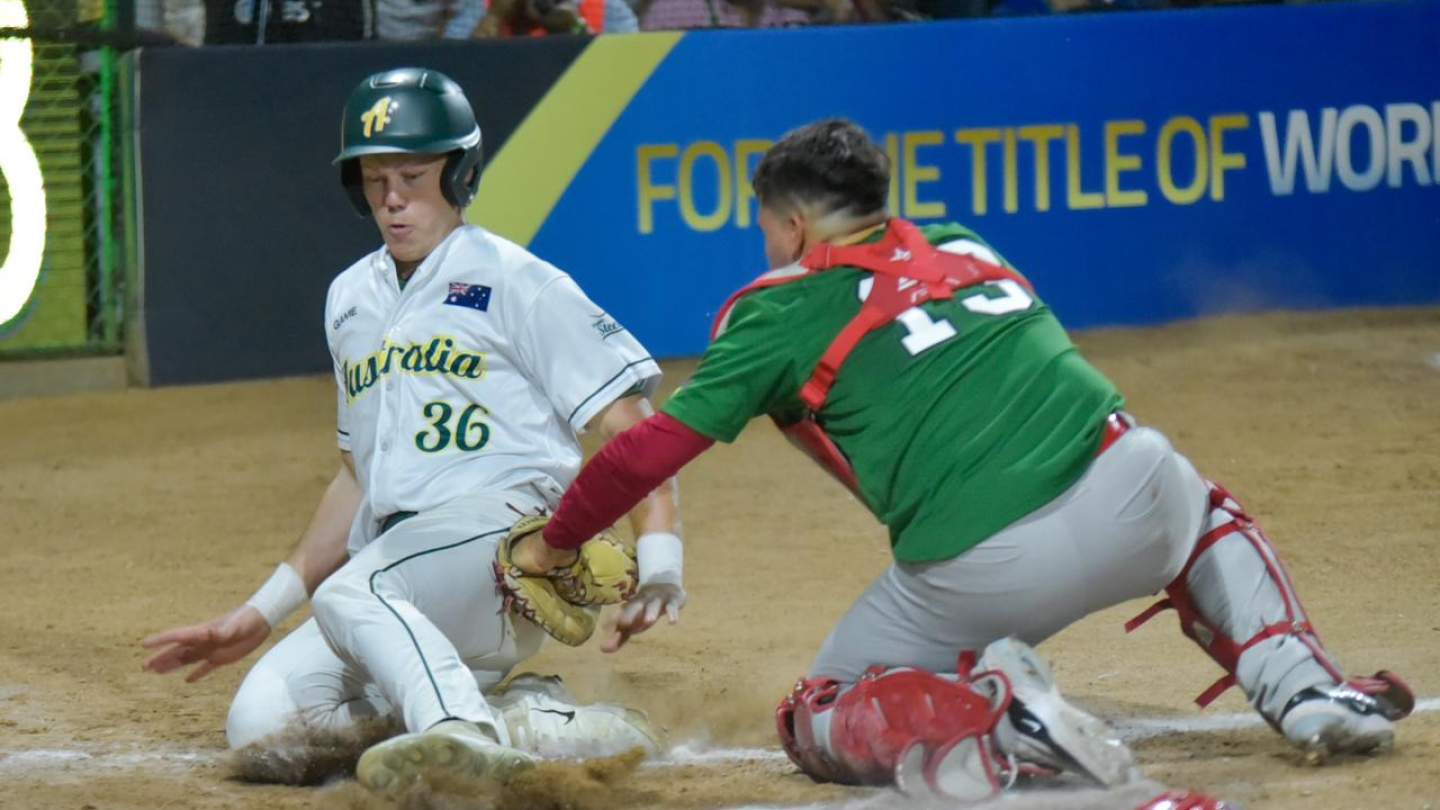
[{"x": 464, "y": 429}]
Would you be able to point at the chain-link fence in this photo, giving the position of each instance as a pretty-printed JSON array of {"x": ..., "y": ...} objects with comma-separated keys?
[{"x": 60, "y": 284}]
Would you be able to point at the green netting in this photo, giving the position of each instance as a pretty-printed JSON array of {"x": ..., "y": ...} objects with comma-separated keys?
[{"x": 68, "y": 125}]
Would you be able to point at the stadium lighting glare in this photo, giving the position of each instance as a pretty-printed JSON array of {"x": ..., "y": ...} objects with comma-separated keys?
[{"x": 20, "y": 168}]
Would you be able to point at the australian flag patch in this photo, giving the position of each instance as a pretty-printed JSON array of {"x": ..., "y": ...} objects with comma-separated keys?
[{"x": 474, "y": 296}]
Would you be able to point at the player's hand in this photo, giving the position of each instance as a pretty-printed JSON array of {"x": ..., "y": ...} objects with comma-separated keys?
[
  {"x": 643, "y": 611},
  {"x": 537, "y": 558},
  {"x": 214, "y": 643}
]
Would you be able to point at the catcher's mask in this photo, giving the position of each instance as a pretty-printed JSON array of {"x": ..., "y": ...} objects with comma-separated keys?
[{"x": 410, "y": 111}]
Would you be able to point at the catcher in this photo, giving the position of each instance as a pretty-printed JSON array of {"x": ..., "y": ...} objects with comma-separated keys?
[
  {"x": 926, "y": 375},
  {"x": 458, "y": 411}
]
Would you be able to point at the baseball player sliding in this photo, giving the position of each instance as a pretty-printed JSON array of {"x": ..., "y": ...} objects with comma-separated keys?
[
  {"x": 926, "y": 374},
  {"x": 464, "y": 368}
]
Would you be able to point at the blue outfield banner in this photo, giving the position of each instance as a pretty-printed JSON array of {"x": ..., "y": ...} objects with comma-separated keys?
[{"x": 1138, "y": 167}]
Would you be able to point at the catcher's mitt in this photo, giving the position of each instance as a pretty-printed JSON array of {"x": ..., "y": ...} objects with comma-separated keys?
[{"x": 564, "y": 601}]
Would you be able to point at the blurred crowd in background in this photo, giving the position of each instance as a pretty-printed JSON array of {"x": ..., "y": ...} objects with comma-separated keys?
[{"x": 197, "y": 22}]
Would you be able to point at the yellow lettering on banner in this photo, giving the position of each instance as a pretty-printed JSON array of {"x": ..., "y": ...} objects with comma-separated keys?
[
  {"x": 1011, "y": 173},
  {"x": 724, "y": 193},
  {"x": 732, "y": 166},
  {"x": 1165, "y": 160},
  {"x": 917, "y": 173},
  {"x": 1115, "y": 163},
  {"x": 1041, "y": 136},
  {"x": 1076, "y": 198},
  {"x": 744, "y": 192},
  {"x": 647, "y": 190},
  {"x": 1220, "y": 160},
  {"x": 977, "y": 139},
  {"x": 892, "y": 151}
]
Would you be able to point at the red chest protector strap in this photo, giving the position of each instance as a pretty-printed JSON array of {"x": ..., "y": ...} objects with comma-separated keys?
[{"x": 908, "y": 271}]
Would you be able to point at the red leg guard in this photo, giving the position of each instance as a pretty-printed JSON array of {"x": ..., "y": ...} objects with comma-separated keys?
[
  {"x": 1181, "y": 800},
  {"x": 1226, "y": 651},
  {"x": 1212, "y": 639},
  {"x": 1395, "y": 695},
  {"x": 794, "y": 721},
  {"x": 895, "y": 716}
]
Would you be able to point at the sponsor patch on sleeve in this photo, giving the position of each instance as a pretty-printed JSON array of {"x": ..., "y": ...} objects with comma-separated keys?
[{"x": 606, "y": 326}]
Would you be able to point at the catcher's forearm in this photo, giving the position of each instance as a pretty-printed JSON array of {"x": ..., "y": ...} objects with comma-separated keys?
[
  {"x": 659, "y": 511},
  {"x": 626, "y": 470}
]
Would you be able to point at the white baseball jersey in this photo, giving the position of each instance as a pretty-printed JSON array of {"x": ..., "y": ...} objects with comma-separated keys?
[{"x": 478, "y": 374}]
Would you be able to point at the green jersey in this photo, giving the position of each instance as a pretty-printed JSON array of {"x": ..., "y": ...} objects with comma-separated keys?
[{"x": 959, "y": 417}]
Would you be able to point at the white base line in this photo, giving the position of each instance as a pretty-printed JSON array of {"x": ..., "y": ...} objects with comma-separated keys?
[
  {"x": 1138, "y": 728},
  {"x": 43, "y": 759}
]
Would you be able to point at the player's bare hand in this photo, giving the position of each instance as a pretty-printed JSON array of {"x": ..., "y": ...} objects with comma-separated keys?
[
  {"x": 536, "y": 557},
  {"x": 643, "y": 611},
  {"x": 213, "y": 644}
]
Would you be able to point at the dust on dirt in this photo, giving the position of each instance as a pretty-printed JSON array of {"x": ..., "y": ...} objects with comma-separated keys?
[
  {"x": 597, "y": 784},
  {"x": 307, "y": 756}
]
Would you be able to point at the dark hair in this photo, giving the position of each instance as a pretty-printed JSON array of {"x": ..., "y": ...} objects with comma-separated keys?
[{"x": 830, "y": 163}]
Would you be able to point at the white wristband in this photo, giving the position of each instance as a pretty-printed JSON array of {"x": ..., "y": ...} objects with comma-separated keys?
[
  {"x": 282, "y": 594},
  {"x": 661, "y": 557}
]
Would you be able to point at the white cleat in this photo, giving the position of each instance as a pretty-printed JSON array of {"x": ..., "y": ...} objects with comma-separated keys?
[
  {"x": 1043, "y": 729},
  {"x": 544, "y": 719},
  {"x": 454, "y": 747},
  {"x": 1324, "y": 721}
]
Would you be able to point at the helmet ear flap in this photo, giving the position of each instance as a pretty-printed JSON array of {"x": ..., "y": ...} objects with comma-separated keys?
[
  {"x": 354, "y": 188},
  {"x": 461, "y": 180}
]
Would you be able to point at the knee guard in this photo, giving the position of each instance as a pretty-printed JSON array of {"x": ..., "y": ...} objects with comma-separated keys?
[
  {"x": 1213, "y": 621},
  {"x": 925, "y": 733}
]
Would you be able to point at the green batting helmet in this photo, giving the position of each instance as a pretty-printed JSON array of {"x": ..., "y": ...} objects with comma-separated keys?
[{"x": 416, "y": 111}]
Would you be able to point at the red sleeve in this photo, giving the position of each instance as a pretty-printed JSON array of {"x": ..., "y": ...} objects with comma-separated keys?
[{"x": 628, "y": 468}]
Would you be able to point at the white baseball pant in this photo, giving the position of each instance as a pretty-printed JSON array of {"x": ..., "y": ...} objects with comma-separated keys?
[
  {"x": 413, "y": 626},
  {"x": 1124, "y": 530}
]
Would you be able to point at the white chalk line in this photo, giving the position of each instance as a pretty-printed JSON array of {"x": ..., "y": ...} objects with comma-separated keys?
[
  {"x": 1132, "y": 730},
  {"x": 38, "y": 759}
]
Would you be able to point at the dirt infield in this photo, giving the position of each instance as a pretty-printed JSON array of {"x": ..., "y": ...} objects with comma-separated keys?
[{"x": 126, "y": 512}]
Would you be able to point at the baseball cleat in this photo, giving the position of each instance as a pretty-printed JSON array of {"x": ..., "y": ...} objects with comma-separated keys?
[
  {"x": 551, "y": 728},
  {"x": 1324, "y": 721},
  {"x": 453, "y": 747},
  {"x": 1042, "y": 728}
]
